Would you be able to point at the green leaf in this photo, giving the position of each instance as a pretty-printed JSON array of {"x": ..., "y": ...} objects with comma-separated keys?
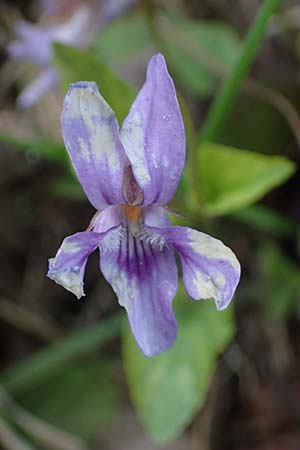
[
  {"x": 266, "y": 219},
  {"x": 35, "y": 368},
  {"x": 44, "y": 148},
  {"x": 265, "y": 130},
  {"x": 82, "y": 65},
  {"x": 280, "y": 282},
  {"x": 197, "y": 50},
  {"x": 78, "y": 398},
  {"x": 170, "y": 388},
  {"x": 230, "y": 178},
  {"x": 136, "y": 40},
  {"x": 67, "y": 187}
]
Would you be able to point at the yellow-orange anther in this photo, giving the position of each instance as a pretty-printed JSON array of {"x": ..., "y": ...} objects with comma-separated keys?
[{"x": 133, "y": 213}]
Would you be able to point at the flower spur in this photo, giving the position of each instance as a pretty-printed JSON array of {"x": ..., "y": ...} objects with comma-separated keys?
[{"x": 130, "y": 175}]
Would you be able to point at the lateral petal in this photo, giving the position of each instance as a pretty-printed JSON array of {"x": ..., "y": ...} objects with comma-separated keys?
[
  {"x": 210, "y": 269},
  {"x": 68, "y": 266},
  {"x": 153, "y": 135},
  {"x": 91, "y": 136}
]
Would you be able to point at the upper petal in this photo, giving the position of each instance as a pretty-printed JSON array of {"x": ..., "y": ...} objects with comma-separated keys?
[
  {"x": 68, "y": 266},
  {"x": 153, "y": 135},
  {"x": 210, "y": 269},
  {"x": 144, "y": 278},
  {"x": 91, "y": 136}
]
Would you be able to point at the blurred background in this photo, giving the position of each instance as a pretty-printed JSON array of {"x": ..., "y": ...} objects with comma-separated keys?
[{"x": 71, "y": 375}]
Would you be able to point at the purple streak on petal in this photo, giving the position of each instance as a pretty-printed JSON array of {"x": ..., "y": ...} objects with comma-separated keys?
[
  {"x": 35, "y": 90},
  {"x": 91, "y": 136},
  {"x": 210, "y": 269},
  {"x": 153, "y": 135},
  {"x": 144, "y": 278},
  {"x": 68, "y": 266}
]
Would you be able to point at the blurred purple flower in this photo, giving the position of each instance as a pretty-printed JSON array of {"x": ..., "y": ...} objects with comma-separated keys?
[
  {"x": 130, "y": 175},
  {"x": 70, "y": 22}
]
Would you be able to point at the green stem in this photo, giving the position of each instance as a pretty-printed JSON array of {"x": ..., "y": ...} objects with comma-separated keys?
[
  {"x": 230, "y": 88},
  {"x": 40, "y": 365}
]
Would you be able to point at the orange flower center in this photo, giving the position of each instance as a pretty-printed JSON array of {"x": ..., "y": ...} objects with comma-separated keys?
[{"x": 132, "y": 212}]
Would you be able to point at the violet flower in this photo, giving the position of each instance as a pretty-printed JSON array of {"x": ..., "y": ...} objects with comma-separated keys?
[
  {"x": 130, "y": 175},
  {"x": 70, "y": 22}
]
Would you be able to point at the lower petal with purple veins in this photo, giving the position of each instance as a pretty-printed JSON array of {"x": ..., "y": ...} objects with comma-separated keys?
[
  {"x": 210, "y": 269},
  {"x": 68, "y": 266},
  {"x": 144, "y": 278}
]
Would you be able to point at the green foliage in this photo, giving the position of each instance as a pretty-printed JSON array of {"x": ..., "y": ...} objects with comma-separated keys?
[
  {"x": 82, "y": 65},
  {"x": 67, "y": 187},
  {"x": 44, "y": 148},
  {"x": 255, "y": 125},
  {"x": 136, "y": 40},
  {"x": 39, "y": 366},
  {"x": 78, "y": 398},
  {"x": 225, "y": 99},
  {"x": 280, "y": 282},
  {"x": 230, "y": 178},
  {"x": 170, "y": 388},
  {"x": 197, "y": 50},
  {"x": 267, "y": 220}
]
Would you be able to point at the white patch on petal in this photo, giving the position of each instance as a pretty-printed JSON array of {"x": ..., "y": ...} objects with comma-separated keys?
[
  {"x": 220, "y": 280},
  {"x": 212, "y": 248},
  {"x": 153, "y": 239},
  {"x": 126, "y": 291},
  {"x": 70, "y": 280},
  {"x": 133, "y": 139},
  {"x": 112, "y": 241},
  {"x": 70, "y": 247},
  {"x": 103, "y": 145},
  {"x": 84, "y": 149},
  {"x": 207, "y": 288},
  {"x": 86, "y": 104}
]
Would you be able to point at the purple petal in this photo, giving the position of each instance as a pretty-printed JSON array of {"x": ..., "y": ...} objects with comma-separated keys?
[
  {"x": 91, "y": 136},
  {"x": 79, "y": 29},
  {"x": 109, "y": 218},
  {"x": 68, "y": 266},
  {"x": 156, "y": 216},
  {"x": 112, "y": 10},
  {"x": 32, "y": 93},
  {"x": 34, "y": 44},
  {"x": 153, "y": 135},
  {"x": 35, "y": 41},
  {"x": 210, "y": 269},
  {"x": 55, "y": 7},
  {"x": 50, "y": 7},
  {"x": 144, "y": 278}
]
